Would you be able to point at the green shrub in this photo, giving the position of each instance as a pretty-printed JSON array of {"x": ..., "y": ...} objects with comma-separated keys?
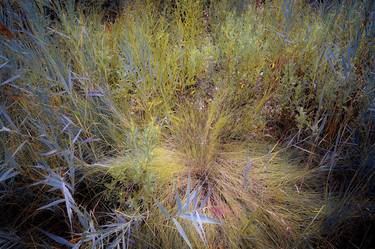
[{"x": 265, "y": 108}]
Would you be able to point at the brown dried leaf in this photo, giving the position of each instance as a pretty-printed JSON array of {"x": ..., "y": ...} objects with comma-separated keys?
[{"x": 4, "y": 31}]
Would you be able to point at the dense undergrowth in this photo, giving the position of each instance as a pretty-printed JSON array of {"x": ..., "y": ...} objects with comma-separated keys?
[{"x": 172, "y": 124}]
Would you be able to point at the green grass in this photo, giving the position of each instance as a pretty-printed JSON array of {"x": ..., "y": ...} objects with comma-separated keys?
[{"x": 259, "y": 115}]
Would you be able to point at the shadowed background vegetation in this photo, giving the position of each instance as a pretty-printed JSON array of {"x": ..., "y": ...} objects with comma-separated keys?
[{"x": 187, "y": 123}]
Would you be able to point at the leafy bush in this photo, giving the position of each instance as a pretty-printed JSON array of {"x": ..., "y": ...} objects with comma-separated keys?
[{"x": 262, "y": 112}]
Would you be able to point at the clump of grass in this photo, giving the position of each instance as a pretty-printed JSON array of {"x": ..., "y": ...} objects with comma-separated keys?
[{"x": 243, "y": 190}]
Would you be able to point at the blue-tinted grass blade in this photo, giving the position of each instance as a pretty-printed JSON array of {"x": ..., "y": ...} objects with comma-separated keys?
[
  {"x": 7, "y": 175},
  {"x": 52, "y": 204},
  {"x": 197, "y": 217},
  {"x": 57, "y": 239},
  {"x": 76, "y": 136},
  {"x": 179, "y": 203},
  {"x": 4, "y": 114},
  {"x": 11, "y": 79},
  {"x": 49, "y": 153},
  {"x": 200, "y": 232},
  {"x": 181, "y": 232},
  {"x": 205, "y": 200},
  {"x": 163, "y": 210}
]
